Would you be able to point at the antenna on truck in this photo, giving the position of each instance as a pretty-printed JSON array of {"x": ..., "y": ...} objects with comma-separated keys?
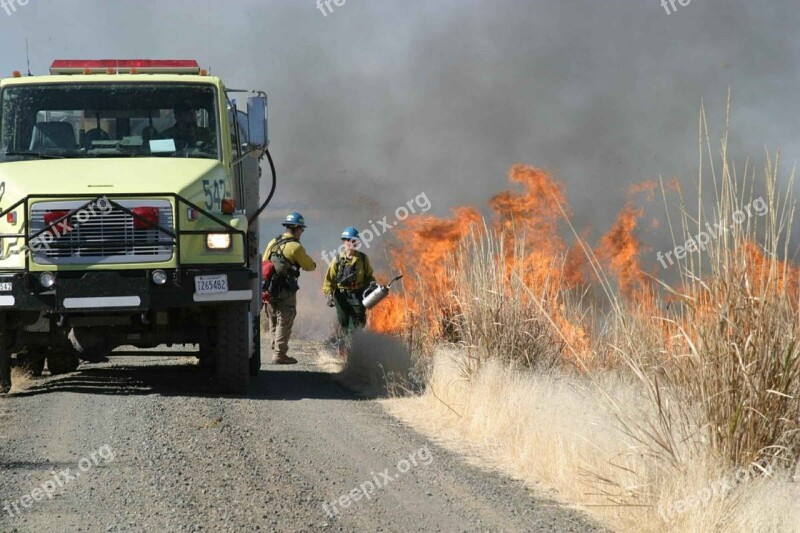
[{"x": 28, "y": 57}]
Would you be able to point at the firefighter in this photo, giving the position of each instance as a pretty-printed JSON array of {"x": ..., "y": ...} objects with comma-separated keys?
[
  {"x": 349, "y": 275},
  {"x": 287, "y": 256},
  {"x": 185, "y": 132}
]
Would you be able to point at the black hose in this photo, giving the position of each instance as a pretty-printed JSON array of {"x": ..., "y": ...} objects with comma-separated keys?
[{"x": 271, "y": 191}]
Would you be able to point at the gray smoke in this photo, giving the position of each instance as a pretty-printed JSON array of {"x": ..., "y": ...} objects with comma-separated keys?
[{"x": 379, "y": 101}]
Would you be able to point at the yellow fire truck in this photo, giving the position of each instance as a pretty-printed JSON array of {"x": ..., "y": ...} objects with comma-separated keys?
[{"x": 129, "y": 193}]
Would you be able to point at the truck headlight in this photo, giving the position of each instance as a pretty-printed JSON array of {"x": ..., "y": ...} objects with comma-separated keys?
[
  {"x": 47, "y": 279},
  {"x": 218, "y": 241},
  {"x": 159, "y": 277}
]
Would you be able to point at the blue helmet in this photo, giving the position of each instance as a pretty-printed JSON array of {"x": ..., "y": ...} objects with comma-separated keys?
[
  {"x": 350, "y": 232},
  {"x": 294, "y": 219}
]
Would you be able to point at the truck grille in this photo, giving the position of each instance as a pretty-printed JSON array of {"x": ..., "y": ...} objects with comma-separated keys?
[{"x": 108, "y": 237}]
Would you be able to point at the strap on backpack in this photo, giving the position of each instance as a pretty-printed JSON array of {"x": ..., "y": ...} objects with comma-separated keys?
[{"x": 280, "y": 244}]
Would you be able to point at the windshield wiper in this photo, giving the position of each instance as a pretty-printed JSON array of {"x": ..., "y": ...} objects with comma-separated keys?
[{"x": 40, "y": 155}]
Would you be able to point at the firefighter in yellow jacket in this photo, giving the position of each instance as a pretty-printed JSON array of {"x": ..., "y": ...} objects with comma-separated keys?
[
  {"x": 288, "y": 257},
  {"x": 349, "y": 275}
]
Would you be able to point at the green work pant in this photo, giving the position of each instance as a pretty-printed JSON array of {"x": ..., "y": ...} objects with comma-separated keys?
[{"x": 350, "y": 311}]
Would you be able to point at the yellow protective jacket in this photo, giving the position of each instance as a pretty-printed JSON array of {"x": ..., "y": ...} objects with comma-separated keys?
[
  {"x": 364, "y": 274},
  {"x": 294, "y": 252}
]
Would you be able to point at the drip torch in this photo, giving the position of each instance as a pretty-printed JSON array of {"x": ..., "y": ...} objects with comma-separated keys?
[{"x": 373, "y": 297}]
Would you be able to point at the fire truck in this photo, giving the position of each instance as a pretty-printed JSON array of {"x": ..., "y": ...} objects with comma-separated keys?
[{"x": 129, "y": 197}]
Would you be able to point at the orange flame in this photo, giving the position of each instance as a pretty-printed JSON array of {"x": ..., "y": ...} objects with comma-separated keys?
[
  {"x": 425, "y": 244},
  {"x": 527, "y": 220},
  {"x": 621, "y": 249},
  {"x": 768, "y": 274}
]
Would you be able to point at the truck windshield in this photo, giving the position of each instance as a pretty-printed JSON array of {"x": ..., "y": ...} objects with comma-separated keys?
[{"x": 108, "y": 120}]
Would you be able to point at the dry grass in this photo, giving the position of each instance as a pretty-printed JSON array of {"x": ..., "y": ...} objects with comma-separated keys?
[
  {"x": 679, "y": 384},
  {"x": 556, "y": 430},
  {"x": 329, "y": 361},
  {"x": 487, "y": 318},
  {"x": 21, "y": 380},
  {"x": 727, "y": 345}
]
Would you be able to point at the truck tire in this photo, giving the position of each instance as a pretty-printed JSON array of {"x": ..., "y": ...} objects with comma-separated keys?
[
  {"x": 59, "y": 364},
  {"x": 7, "y": 338},
  {"x": 207, "y": 356},
  {"x": 255, "y": 357},
  {"x": 32, "y": 365},
  {"x": 232, "y": 347},
  {"x": 207, "y": 360}
]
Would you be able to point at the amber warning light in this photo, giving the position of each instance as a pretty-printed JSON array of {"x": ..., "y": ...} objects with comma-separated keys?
[{"x": 125, "y": 66}]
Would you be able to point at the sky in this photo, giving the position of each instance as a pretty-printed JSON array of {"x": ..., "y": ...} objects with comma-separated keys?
[{"x": 376, "y": 102}]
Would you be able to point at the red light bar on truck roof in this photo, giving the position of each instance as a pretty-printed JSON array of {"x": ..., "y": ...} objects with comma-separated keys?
[{"x": 125, "y": 66}]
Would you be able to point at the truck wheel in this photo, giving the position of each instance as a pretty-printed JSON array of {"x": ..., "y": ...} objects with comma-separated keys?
[
  {"x": 207, "y": 356},
  {"x": 33, "y": 366},
  {"x": 62, "y": 364},
  {"x": 255, "y": 357},
  {"x": 232, "y": 348}
]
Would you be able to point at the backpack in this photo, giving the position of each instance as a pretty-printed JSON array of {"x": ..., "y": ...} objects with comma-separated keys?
[
  {"x": 279, "y": 274},
  {"x": 267, "y": 271},
  {"x": 346, "y": 274}
]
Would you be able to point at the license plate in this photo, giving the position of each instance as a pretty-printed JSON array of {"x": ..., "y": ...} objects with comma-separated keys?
[
  {"x": 211, "y": 284},
  {"x": 5, "y": 286}
]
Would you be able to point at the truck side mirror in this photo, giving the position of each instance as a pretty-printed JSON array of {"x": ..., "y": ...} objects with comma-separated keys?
[{"x": 257, "y": 121}]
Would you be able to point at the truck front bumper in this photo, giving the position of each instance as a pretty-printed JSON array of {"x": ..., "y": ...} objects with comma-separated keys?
[{"x": 121, "y": 290}]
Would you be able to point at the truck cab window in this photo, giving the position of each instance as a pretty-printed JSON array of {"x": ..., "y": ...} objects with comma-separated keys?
[{"x": 109, "y": 120}]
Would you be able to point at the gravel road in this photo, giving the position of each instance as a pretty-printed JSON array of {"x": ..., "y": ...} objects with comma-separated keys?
[{"x": 142, "y": 444}]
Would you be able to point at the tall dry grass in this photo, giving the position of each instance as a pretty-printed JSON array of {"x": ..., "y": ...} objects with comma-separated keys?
[
  {"x": 696, "y": 377},
  {"x": 489, "y": 311},
  {"x": 729, "y": 338},
  {"x": 554, "y": 430}
]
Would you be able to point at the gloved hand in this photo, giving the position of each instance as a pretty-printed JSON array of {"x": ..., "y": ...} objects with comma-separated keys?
[{"x": 331, "y": 301}]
